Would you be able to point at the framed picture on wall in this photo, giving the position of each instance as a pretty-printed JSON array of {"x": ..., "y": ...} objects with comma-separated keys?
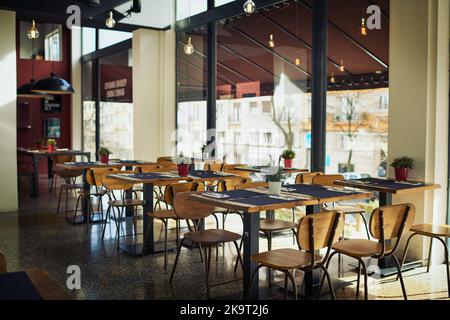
[
  {"x": 52, "y": 128},
  {"x": 52, "y": 104}
]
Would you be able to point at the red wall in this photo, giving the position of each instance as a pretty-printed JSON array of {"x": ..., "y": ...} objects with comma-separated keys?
[{"x": 26, "y": 137}]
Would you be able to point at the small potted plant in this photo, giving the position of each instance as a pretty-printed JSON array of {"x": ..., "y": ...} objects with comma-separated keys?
[
  {"x": 104, "y": 154},
  {"x": 402, "y": 166},
  {"x": 39, "y": 142},
  {"x": 183, "y": 164},
  {"x": 288, "y": 156},
  {"x": 275, "y": 179},
  {"x": 51, "y": 145}
]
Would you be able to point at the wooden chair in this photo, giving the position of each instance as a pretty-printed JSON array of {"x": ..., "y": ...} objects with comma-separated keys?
[
  {"x": 214, "y": 167},
  {"x": 3, "y": 268},
  {"x": 164, "y": 159},
  {"x": 59, "y": 160},
  {"x": 314, "y": 232},
  {"x": 306, "y": 178},
  {"x": 113, "y": 185},
  {"x": 165, "y": 215},
  {"x": 386, "y": 224},
  {"x": 231, "y": 168},
  {"x": 433, "y": 232},
  {"x": 328, "y": 181},
  {"x": 70, "y": 184},
  {"x": 195, "y": 211},
  {"x": 157, "y": 190}
]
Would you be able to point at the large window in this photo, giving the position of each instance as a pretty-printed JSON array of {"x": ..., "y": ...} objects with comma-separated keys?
[
  {"x": 48, "y": 46},
  {"x": 89, "y": 101}
]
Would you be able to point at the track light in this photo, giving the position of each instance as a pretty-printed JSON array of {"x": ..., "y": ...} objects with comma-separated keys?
[
  {"x": 33, "y": 32},
  {"x": 249, "y": 7},
  {"x": 188, "y": 47},
  {"x": 110, "y": 22},
  {"x": 271, "y": 41}
]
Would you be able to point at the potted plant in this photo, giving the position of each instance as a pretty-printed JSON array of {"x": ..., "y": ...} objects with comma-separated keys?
[
  {"x": 274, "y": 180},
  {"x": 402, "y": 166},
  {"x": 39, "y": 142},
  {"x": 288, "y": 155},
  {"x": 51, "y": 145},
  {"x": 183, "y": 163},
  {"x": 104, "y": 154}
]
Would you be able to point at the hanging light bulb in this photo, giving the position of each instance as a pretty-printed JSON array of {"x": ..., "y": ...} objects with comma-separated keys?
[
  {"x": 332, "y": 79},
  {"x": 110, "y": 22},
  {"x": 33, "y": 32},
  {"x": 271, "y": 41},
  {"x": 249, "y": 7},
  {"x": 298, "y": 61},
  {"x": 189, "y": 48},
  {"x": 363, "y": 27},
  {"x": 341, "y": 67}
]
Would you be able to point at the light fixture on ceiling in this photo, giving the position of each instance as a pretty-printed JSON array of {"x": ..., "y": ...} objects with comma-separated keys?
[
  {"x": 363, "y": 27},
  {"x": 189, "y": 47},
  {"x": 271, "y": 41},
  {"x": 341, "y": 67},
  {"x": 332, "y": 79},
  {"x": 24, "y": 91},
  {"x": 33, "y": 32},
  {"x": 249, "y": 7},
  {"x": 110, "y": 22}
]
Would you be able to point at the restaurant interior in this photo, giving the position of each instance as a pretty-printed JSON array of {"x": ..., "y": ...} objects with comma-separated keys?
[{"x": 236, "y": 150}]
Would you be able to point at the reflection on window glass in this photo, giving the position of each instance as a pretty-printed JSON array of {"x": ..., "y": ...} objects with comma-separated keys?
[
  {"x": 88, "y": 110},
  {"x": 48, "y": 46},
  {"x": 187, "y": 8},
  {"x": 88, "y": 40},
  {"x": 192, "y": 94},
  {"x": 110, "y": 37}
]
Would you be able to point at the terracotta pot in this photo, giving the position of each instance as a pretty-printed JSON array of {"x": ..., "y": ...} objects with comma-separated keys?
[
  {"x": 401, "y": 174},
  {"x": 183, "y": 170},
  {"x": 104, "y": 158},
  {"x": 288, "y": 163},
  {"x": 51, "y": 148}
]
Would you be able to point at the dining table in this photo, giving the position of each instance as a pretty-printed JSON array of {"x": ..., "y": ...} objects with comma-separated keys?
[
  {"x": 266, "y": 169},
  {"x": 37, "y": 155},
  {"x": 149, "y": 181},
  {"x": 386, "y": 189},
  {"x": 251, "y": 202}
]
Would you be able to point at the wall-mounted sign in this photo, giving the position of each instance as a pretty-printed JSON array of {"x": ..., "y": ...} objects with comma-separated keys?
[
  {"x": 116, "y": 83},
  {"x": 52, "y": 104}
]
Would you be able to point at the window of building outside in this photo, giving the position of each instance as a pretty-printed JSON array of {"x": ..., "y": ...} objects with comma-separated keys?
[{"x": 48, "y": 46}]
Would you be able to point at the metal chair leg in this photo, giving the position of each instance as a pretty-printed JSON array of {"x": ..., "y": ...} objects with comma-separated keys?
[
  {"x": 108, "y": 212},
  {"x": 327, "y": 265},
  {"x": 207, "y": 267},
  {"x": 406, "y": 251},
  {"x": 252, "y": 280},
  {"x": 429, "y": 255},
  {"x": 165, "y": 242},
  {"x": 366, "y": 280},
  {"x": 285, "y": 285},
  {"x": 358, "y": 270},
  {"x": 294, "y": 285},
  {"x": 176, "y": 260},
  {"x": 446, "y": 263},
  {"x": 330, "y": 284},
  {"x": 59, "y": 201},
  {"x": 269, "y": 247},
  {"x": 239, "y": 258},
  {"x": 365, "y": 225},
  {"x": 399, "y": 271}
]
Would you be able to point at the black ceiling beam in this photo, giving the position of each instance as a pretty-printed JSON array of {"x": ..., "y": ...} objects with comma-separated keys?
[
  {"x": 350, "y": 38},
  {"x": 108, "y": 51},
  {"x": 298, "y": 38},
  {"x": 273, "y": 52},
  {"x": 204, "y": 56}
]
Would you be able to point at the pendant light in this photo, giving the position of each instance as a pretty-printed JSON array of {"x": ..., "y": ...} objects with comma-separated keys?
[
  {"x": 110, "y": 22},
  {"x": 298, "y": 60},
  {"x": 189, "y": 47},
  {"x": 33, "y": 32},
  {"x": 271, "y": 41},
  {"x": 363, "y": 27},
  {"x": 332, "y": 79},
  {"x": 249, "y": 7},
  {"x": 341, "y": 67},
  {"x": 53, "y": 84},
  {"x": 24, "y": 91}
]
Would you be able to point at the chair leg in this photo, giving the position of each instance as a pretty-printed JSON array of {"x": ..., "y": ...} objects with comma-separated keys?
[
  {"x": 108, "y": 212},
  {"x": 326, "y": 267},
  {"x": 429, "y": 255},
  {"x": 406, "y": 251},
  {"x": 67, "y": 200},
  {"x": 366, "y": 280},
  {"x": 446, "y": 263},
  {"x": 176, "y": 260},
  {"x": 330, "y": 284},
  {"x": 294, "y": 285},
  {"x": 365, "y": 225},
  {"x": 165, "y": 242},
  {"x": 59, "y": 201},
  {"x": 239, "y": 258},
  {"x": 399, "y": 271},
  {"x": 269, "y": 247},
  {"x": 285, "y": 285},
  {"x": 358, "y": 270},
  {"x": 207, "y": 251},
  {"x": 293, "y": 221}
]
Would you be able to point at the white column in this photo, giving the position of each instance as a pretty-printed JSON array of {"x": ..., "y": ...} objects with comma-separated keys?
[
  {"x": 153, "y": 93},
  {"x": 77, "y": 100},
  {"x": 418, "y": 115},
  {"x": 8, "y": 128}
]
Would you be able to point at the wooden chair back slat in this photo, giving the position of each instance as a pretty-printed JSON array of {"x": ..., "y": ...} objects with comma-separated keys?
[
  {"x": 172, "y": 189},
  {"x": 327, "y": 180},
  {"x": 231, "y": 168},
  {"x": 188, "y": 209},
  {"x": 94, "y": 175},
  {"x": 323, "y": 230},
  {"x": 67, "y": 174},
  {"x": 214, "y": 167},
  {"x": 149, "y": 168},
  {"x": 306, "y": 178},
  {"x": 230, "y": 185},
  {"x": 393, "y": 218},
  {"x": 115, "y": 184},
  {"x": 164, "y": 159},
  {"x": 252, "y": 185},
  {"x": 63, "y": 159},
  {"x": 168, "y": 166},
  {"x": 2, "y": 263}
]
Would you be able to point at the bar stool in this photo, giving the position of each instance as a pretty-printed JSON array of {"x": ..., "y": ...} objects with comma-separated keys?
[
  {"x": 386, "y": 223},
  {"x": 314, "y": 233},
  {"x": 165, "y": 215},
  {"x": 206, "y": 239},
  {"x": 433, "y": 232}
]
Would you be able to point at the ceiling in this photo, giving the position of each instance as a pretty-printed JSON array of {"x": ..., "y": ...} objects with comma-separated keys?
[{"x": 243, "y": 53}]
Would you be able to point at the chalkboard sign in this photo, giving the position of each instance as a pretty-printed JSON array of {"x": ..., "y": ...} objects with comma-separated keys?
[{"x": 52, "y": 104}]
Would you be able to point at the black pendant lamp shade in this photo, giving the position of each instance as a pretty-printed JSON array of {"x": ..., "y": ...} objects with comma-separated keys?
[
  {"x": 52, "y": 85},
  {"x": 24, "y": 91}
]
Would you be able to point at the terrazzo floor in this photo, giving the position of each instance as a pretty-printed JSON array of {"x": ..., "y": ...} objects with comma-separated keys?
[{"x": 36, "y": 237}]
